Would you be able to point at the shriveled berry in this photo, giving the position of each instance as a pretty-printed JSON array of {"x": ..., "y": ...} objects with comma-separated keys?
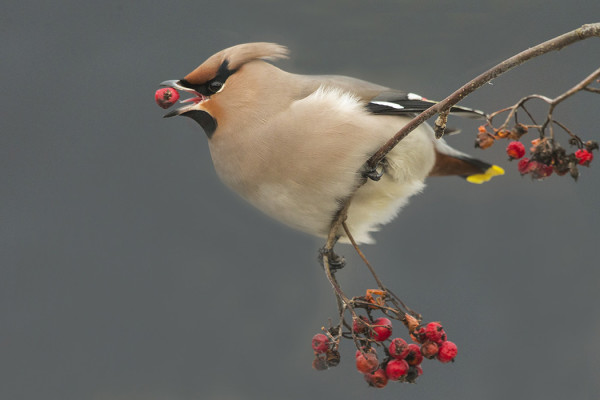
[
  {"x": 382, "y": 329},
  {"x": 166, "y": 97},
  {"x": 584, "y": 157},
  {"x": 413, "y": 373},
  {"x": 398, "y": 348},
  {"x": 503, "y": 133},
  {"x": 517, "y": 131},
  {"x": 414, "y": 356},
  {"x": 484, "y": 139},
  {"x": 333, "y": 358},
  {"x": 377, "y": 379},
  {"x": 320, "y": 343},
  {"x": 366, "y": 362},
  {"x": 515, "y": 150},
  {"x": 591, "y": 145},
  {"x": 447, "y": 352},
  {"x": 540, "y": 170},
  {"x": 534, "y": 144},
  {"x": 319, "y": 363},
  {"x": 429, "y": 349},
  {"x": 434, "y": 332},
  {"x": 537, "y": 169},
  {"x": 360, "y": 326},
  {"x": 396, "y": 369}
]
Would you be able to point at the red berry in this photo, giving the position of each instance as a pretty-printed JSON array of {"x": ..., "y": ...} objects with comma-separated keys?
[
  {"x": 584, "y": 157},
  {"x": 429, "y": 349},
  {"x": 320, "y": 343},
  {"x": 382, "y": 329},
  {"x": 447, "y": 352},
  {"x": 360, "y": 325},
  {"x": 524, "y": 166},
  {"x": 377, "y": 379},
  {"x": 515, "y": 150},
  {"x": 366, "y": 362},
  {"x": 398, "y": 348},
  {"x": 166, "y": 97},
  {"x": 320, "y": 364},
  {"x": 434, "y": 332},
  {"x": 395, "y": 369},
  {"x": 414, "y": 356}
]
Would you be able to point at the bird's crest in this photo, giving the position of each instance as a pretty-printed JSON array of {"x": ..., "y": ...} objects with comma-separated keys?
[{"x": 234, "y": 57}]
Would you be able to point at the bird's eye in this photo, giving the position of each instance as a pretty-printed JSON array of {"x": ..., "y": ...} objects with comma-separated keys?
[{"x": 215, "y": 86}]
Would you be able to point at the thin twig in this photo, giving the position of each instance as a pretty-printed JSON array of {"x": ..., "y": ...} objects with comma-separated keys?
[{"x": 362, "y": 256}]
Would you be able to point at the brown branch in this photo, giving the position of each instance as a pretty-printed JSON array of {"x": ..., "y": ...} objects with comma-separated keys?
[{"x": 559, "y": 42}]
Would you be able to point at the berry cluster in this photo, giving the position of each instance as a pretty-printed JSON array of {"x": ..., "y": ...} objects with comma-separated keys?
[
  {"x": 400, "y": 361},
  {"x": 547, "y": 156}
]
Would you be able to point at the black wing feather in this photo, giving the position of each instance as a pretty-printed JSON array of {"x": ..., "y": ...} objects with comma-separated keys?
[{"x": 402, "y": 103}]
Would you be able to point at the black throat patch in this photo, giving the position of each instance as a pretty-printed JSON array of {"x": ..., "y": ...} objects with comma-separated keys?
[{"x": 204, "y": 119}]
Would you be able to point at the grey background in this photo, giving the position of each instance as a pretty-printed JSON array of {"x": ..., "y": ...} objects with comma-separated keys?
[{"x": 128, "y": 271}]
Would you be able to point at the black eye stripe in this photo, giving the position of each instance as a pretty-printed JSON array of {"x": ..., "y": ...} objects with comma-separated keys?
[{"x": 214, "y": 85}]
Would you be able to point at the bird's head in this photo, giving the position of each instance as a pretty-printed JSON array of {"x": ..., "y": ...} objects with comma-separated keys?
[{"x": 212, "y": 79}]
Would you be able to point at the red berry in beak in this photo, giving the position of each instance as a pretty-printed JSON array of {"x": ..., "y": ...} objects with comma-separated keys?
[{"x": 166, "y": 97}]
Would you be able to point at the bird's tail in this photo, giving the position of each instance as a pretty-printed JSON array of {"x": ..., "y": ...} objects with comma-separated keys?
[{"x": 449, "y": 161}]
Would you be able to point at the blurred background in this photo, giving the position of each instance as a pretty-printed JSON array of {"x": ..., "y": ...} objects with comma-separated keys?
[{"x": 128, "y": 271}]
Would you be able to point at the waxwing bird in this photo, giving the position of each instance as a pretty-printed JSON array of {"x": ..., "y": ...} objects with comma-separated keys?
[{"x": 294, "y": 145}]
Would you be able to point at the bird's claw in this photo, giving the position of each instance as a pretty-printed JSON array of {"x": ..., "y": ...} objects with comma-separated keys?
[
  {"x": 335, "y": 262},
  {"x": 373, "y": 174}
]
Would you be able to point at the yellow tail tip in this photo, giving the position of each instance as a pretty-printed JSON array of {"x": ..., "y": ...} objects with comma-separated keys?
[{"x": 492, "y": 171}]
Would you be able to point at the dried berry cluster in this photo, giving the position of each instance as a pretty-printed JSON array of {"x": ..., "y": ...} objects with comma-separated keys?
[
  {"x": 398, "y": 360},
  {"x": 547, "y": 156}
]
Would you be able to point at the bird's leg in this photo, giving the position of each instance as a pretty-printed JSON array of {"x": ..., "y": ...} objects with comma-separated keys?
[{"x": 336, "y": 262}]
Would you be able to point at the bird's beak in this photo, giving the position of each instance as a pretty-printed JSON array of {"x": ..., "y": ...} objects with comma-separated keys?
[{"x": 197, "y": 99}]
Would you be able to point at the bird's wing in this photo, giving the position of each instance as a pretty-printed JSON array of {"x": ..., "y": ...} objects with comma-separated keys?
[
  {"x": 385, "y": 101},
  {"x": 394, "y": 102}
]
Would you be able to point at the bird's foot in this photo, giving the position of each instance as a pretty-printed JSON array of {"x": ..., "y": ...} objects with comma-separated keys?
[
  {"x": 335, "y": 262},
  {"x": 373, "y": 174}
]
